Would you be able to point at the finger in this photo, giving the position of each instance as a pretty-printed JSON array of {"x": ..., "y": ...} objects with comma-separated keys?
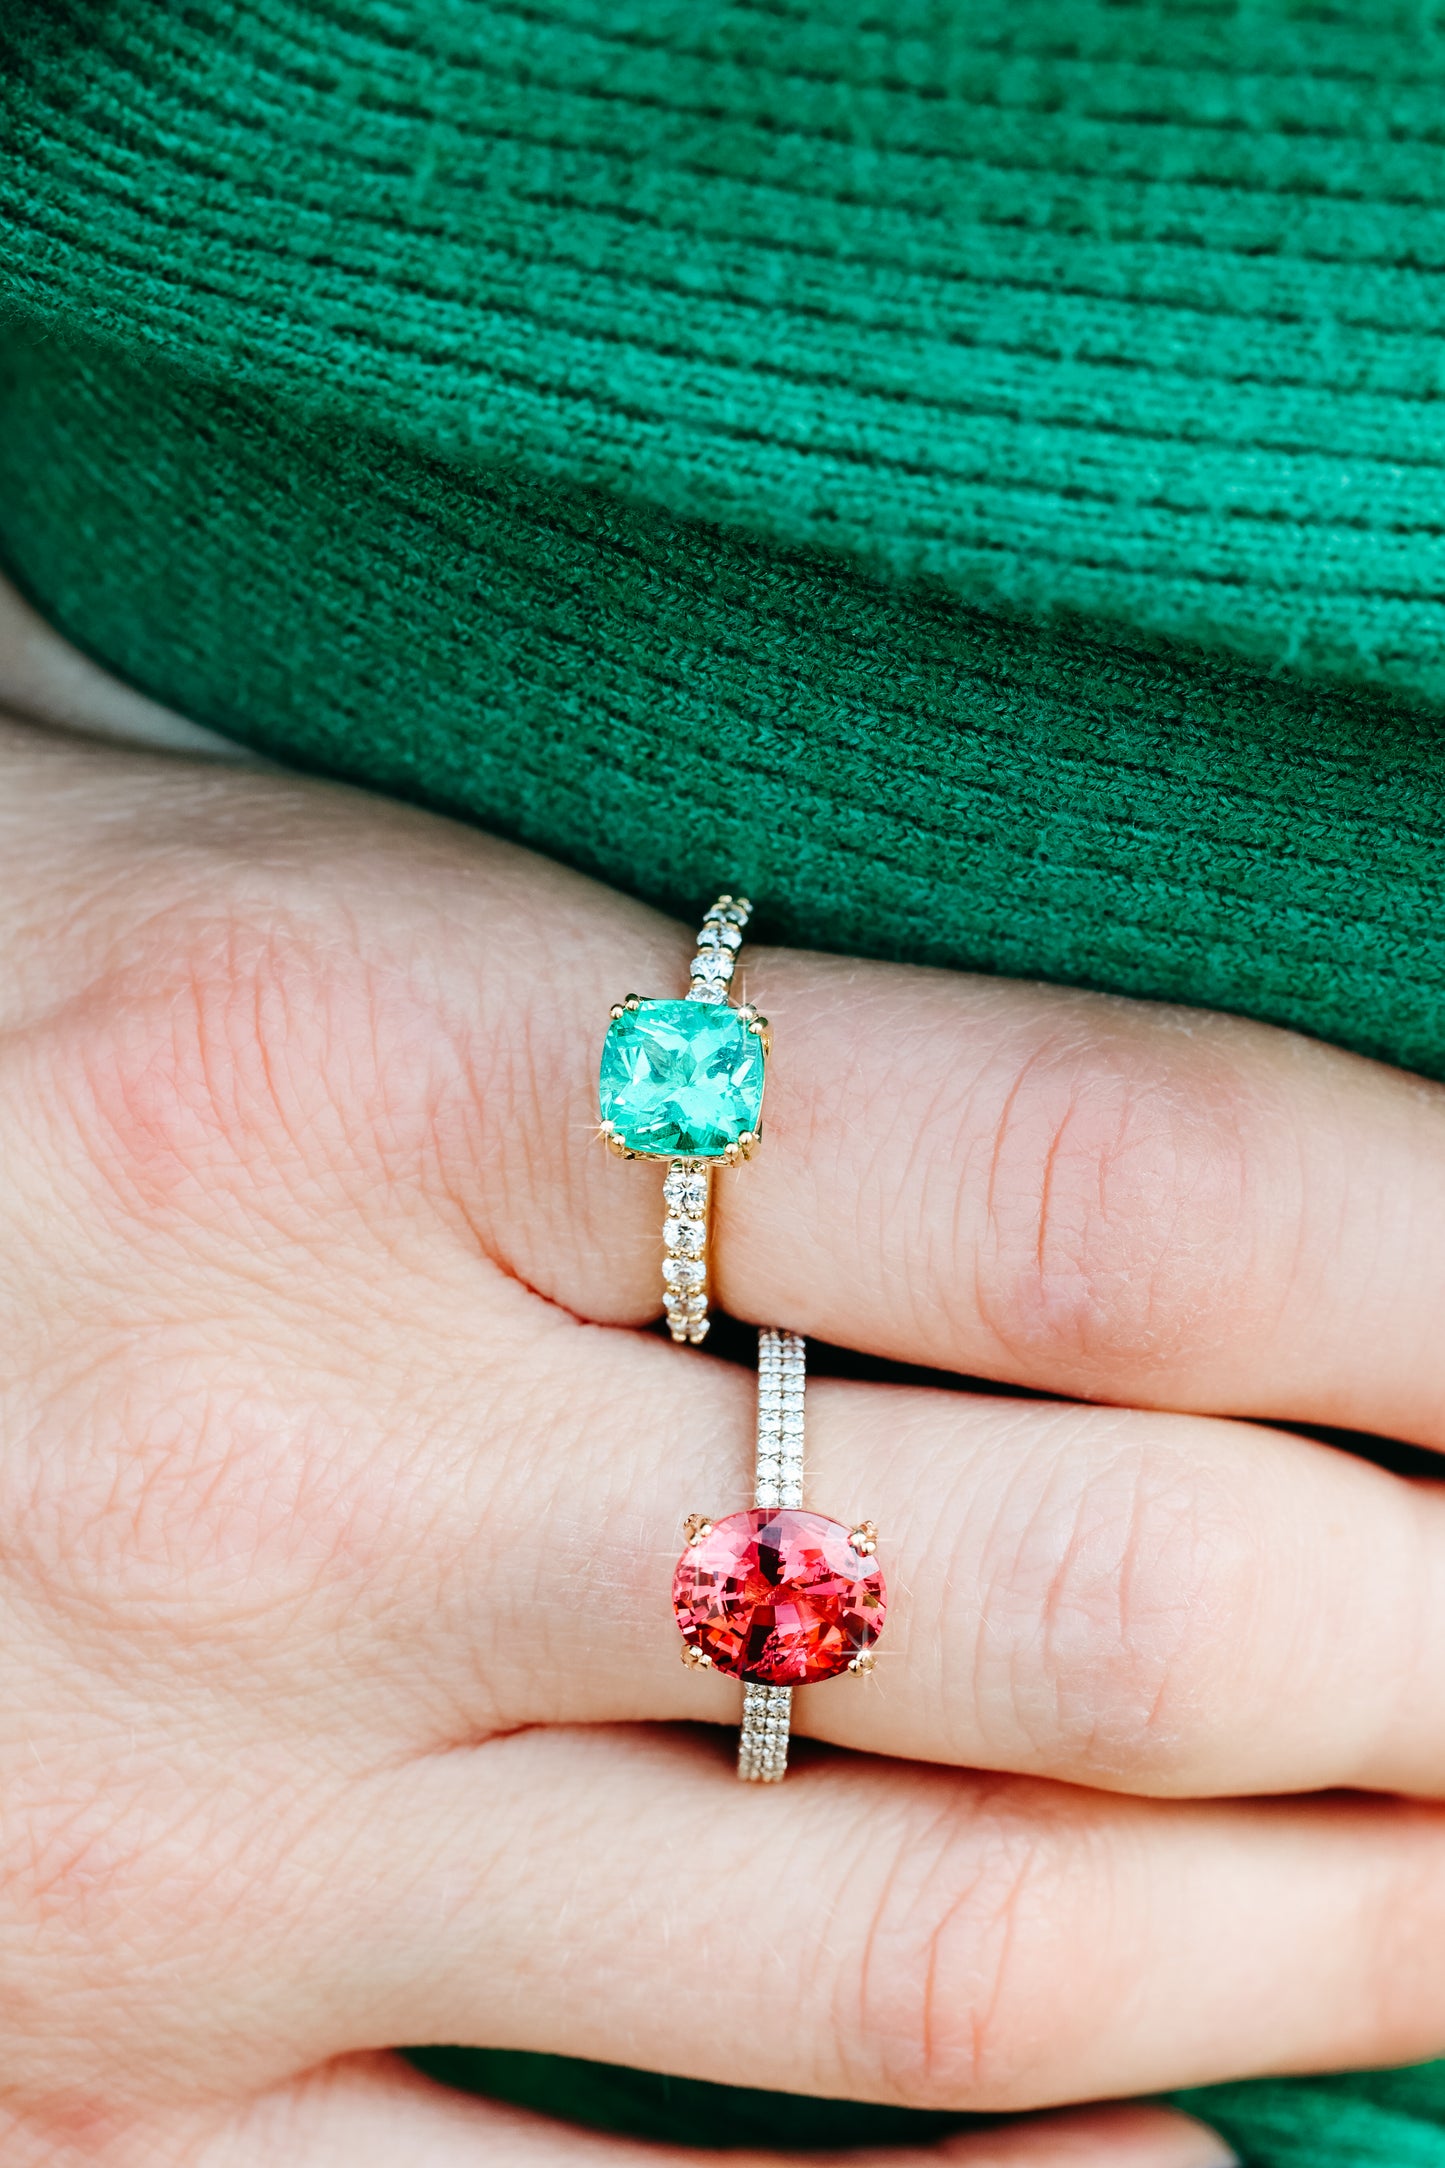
[
  {"x": 1100, "y": 1198},
  {"x": 1096, "y": 1197},
  {"x": 1150, "y": 1603},
  {"x": 291, "y": 1030},
  {"x": 373, "y": 2111},
  {"x": 363, "y": 1462},
  {"x": 875, "y": 1931}
]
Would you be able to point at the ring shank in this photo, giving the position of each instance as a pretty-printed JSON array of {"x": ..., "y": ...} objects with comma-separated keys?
[
  {"x": 782, "y": 1377},
  {"x": 688, "y": 1188},
  {"x": 763, "y": 1740}
]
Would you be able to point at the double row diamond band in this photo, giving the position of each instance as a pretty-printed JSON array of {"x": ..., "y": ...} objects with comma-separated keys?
[
  {"x": 778, "y": 1597},
  {"x": 777, "y": 1481}
]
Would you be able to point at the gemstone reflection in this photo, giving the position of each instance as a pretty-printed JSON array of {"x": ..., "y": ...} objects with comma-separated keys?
[{"x": 779, "y": 1595}]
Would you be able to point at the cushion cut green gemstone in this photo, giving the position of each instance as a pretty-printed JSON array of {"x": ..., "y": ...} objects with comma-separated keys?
[{"x": 681, "y": 1079}]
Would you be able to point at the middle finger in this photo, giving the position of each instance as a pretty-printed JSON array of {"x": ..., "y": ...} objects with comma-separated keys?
[{"x": 1143, "y": 1602}]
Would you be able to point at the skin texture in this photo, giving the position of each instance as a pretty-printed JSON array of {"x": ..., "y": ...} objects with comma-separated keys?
[{"x": 341, "y": 1487}]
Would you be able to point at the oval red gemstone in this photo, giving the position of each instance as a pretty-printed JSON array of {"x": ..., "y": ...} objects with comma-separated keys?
[{"x": 779, "y": 1595}]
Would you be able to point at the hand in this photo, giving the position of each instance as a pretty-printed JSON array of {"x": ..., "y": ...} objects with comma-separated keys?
[{"x": 339, "y": 1497}]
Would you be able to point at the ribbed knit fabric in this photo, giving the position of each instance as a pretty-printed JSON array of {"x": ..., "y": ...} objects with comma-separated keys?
[
  {"x": 1114, "y": 308},
  {"x": 971, "y": 472},
  {"x": 678, "y": 709}
]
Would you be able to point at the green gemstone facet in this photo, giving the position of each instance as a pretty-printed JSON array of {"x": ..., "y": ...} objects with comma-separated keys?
[{"x": 681, "y": 1079}]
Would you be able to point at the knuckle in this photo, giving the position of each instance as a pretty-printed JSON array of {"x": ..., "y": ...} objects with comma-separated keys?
[
  {"x": 1116, "y": 1223},
  {"x": 1112, "y": 1605},
  {"x": 186, "y": 1447},
  {"x": 118, "y": 1535},
  {"x": 952, "y": 2008},
  {"x": 164, "y": 1512},
  {"x": 207, "y": 1056},
  {"x": 271, "y": 1053}
]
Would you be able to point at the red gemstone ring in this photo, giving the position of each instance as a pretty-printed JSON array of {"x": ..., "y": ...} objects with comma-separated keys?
[{"x": 777, "y": 1597}]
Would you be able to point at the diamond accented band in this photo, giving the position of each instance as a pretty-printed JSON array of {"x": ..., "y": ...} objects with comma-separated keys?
[
  {"x": 687, "y": 1195},
  {"x": 763, "y": 1740},
  {"x": 781, "y": 1361},
  {"x": 683, "y": 1081},
  {"x": 782, "y": 1376},
  {"x": 777, "y": 1597}
]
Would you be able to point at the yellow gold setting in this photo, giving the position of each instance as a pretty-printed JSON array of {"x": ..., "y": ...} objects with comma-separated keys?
[{"x": 688, "y": 1188}]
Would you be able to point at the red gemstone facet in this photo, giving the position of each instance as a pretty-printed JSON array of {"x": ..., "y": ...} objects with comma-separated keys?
[{"x": 779, "y": 1596}]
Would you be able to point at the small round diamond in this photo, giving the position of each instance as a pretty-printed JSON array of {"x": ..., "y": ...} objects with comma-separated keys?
[
  {"x": 716, "y": 964},
  {"x": 687, "y": 1236},
  {"x": 778, "y": 1596},
  {"x": 685, "y": 1190}
]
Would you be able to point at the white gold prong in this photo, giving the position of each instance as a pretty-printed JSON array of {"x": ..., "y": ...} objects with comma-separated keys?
[
  {"x": 863, "y": 1661},
  {"x": 864, "y": 1538}
]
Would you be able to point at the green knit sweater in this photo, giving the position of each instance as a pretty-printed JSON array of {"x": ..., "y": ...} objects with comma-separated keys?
[{"x": 970, "y": 472}]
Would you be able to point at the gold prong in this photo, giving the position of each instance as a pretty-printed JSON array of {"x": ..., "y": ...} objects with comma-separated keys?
[
  {"x": 695, "y": 1659},
  {"x": 863, "y": 1661},
  {"x": 864, "y": 1538},
  {"x": 610, "y": 1139},
  {"x": 618, "y": 1008},
  {"x": 696, "y": 1526},
  {"x": 748, "y": 1142},
  {"x": 632, "y": 1001},
  {"x": 732, "y": 1153},
  {"x": 760, "y": 1028},
  {"x": 748, "y": 1014}
]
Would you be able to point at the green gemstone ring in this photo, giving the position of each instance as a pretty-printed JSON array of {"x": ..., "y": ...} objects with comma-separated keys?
[{"x": 683, "y": 1081}]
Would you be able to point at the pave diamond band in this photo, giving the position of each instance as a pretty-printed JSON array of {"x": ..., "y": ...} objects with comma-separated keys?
[
  {"x": 777, "y": 1596},
  {"x": 778, "y": 1481},
  {"x": 763, "y": 1740},
  {"x": 683, "y": 1081},
  {"x": 781, "y": 1379}
]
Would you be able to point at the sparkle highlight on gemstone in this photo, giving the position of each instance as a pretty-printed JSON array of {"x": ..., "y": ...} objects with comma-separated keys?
[
  {"x": 779, "y": 1596},
  {"x": 681, "y": 1079}
]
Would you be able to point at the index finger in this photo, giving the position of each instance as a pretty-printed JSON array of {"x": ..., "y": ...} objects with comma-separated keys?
[{"x": 1097, "y": 1197}]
